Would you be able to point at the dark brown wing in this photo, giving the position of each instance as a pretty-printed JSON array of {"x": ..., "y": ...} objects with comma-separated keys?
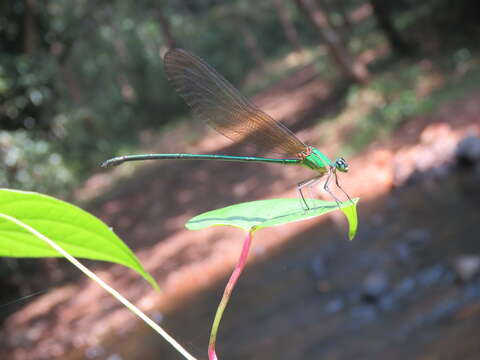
[{"x": 217, "y": 102}]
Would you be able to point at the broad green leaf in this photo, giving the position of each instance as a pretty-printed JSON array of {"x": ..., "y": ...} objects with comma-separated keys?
[
  {"x": 256, "y": 215},
  {"x": 81, "y": 234}
]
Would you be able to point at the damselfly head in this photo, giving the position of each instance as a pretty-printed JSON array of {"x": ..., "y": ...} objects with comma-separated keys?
[{"x": 341, "y": 165}]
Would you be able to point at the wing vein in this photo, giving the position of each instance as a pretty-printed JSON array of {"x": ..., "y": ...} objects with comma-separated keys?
[{"x": 214, "y": 100}]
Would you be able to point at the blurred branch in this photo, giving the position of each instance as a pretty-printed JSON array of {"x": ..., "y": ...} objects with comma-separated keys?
[
  {"x": 287, "y": 25},
  {"x": 383, "y": 15},
  {"x": 61, "y": 49},
  {"x": 337, "y": 6},
  {"x": 251, "y": 43},
  {"x": 342, "y": 9},
  {"x": 350, "y": 66},
  {"x": 186, "y": 7},
  {"x": 167, "y": 33},
  {"x": 30, "y": 27}
]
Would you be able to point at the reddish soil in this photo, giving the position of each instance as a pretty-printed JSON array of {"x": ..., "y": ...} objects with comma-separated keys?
[{"x": 149, "y": 210}]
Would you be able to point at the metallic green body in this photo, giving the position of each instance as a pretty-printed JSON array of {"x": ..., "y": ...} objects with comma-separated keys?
[
  {"x": 317, "y": 161},
  {"x": 121, "y": 159}
]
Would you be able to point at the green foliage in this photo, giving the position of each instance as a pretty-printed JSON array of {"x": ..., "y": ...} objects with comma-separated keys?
[
  {"x": 399, "y": 103},
  {"x": 25, "y": 87},
  {"x": 32, "y": 164},
  {"x": 398, "y": 89},
  {"x": 76, "y": 231},
  {"x": 72, "y": 90},
  {"x": 87, "y": 77},
  {"x": 256, "y": 215}
]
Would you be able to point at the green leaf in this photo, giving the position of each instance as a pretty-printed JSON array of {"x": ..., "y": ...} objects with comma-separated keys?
[
  {"x": 351, "y": 214},
  {"x": 256, "y": 215},
  {"x": 79, "y": 233}
]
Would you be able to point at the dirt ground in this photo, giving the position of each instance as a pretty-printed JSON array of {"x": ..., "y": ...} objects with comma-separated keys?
[{"x": 149, "y": 210}]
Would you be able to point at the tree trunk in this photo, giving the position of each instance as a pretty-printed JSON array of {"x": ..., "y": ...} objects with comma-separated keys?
[
  {"x": 187, "y": 8},
  {"x": 382, "y": 12},
  {"x": 329, "y": 8},
  {"x": 250, "y": 40},
  {"x": 30, "y": 27},
  {"x": 342, "y": 9},
  {"x": 288, "y": 27},
  {"x": 351, "y": 67},
  {"x": 170, "y": 40}
]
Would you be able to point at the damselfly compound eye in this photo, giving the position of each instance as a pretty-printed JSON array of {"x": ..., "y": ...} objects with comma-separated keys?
[{"x": 341, "y": 165}]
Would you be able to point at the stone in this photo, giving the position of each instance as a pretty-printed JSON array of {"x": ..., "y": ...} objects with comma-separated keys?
[
  {"x": 374, "y": 285},
  {"x": 468, "y": 151},
  {"x": 466, "y": 267}
]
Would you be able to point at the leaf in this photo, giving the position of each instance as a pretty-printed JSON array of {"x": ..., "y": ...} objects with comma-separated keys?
[
  {"x": 78, "y": 232},
  {"x": 256, "y": 215},
  {"x": 351, "y": 214}
]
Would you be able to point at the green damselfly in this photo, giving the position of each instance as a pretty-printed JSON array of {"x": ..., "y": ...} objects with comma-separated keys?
[{"x": 213, "y": 99}]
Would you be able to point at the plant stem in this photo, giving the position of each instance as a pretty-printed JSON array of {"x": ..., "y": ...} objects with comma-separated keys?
[
  {"x": 104, "y": 285},
  {"x": 227, "y": 293}
]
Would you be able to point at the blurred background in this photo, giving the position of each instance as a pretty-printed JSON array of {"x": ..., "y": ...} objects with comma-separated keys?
[{"x": 393, "y": 86}]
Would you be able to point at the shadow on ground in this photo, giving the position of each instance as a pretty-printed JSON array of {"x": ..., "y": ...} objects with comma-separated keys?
[
  {"x": 392, "y": 293},
  {"x": 400, "y": 290}
]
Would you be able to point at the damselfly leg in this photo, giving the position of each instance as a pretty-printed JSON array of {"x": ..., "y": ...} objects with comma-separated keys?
[
  {"x": 306, "y": 184},
  {"x": 338, "y": 186},
  {"x": 327, "y": 189}
]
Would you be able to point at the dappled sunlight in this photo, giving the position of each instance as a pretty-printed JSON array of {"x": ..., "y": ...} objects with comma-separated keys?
[
  {"x": 392, "y": 89},
  {"x": 185, "y": 262},
  {"x": 361, "y": 13}
]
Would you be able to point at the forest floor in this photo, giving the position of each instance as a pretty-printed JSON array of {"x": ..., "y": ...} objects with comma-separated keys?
[{"x": 150, "y": 207}]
